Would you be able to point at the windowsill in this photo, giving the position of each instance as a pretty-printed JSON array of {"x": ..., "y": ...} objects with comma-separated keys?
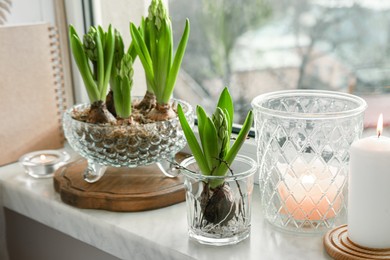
[{"x": 154, "y": 234}]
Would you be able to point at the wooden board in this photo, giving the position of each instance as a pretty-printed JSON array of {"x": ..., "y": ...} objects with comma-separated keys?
[
  {"x": 120, "y": 189},
  {"x": 339, "y": 246}
]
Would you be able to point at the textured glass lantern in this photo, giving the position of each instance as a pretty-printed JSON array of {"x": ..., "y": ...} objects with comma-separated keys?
[{"x": 303, "y": 139}]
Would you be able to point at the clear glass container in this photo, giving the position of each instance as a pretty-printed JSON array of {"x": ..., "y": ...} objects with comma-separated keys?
[
  {"x": 303, "y": 139},
  {"x": 221, "y": 215},
  {"x": 126, "y": 146}
]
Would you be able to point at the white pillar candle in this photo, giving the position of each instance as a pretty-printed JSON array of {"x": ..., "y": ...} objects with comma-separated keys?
[{"x": 369, "y": 192}]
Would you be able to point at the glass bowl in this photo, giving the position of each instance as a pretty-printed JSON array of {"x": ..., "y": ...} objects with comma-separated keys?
[{"x": 126, "y": 146}]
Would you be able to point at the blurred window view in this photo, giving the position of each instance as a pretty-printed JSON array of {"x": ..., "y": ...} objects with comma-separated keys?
[{"x": 258, "y": 46}]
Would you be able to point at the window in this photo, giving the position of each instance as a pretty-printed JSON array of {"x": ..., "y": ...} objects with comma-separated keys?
[{"x": 257, "y": 46}]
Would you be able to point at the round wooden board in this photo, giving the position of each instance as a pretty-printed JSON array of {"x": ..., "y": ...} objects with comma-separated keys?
[
  {"x": 339, "y": 246},
  {"x": 120, "y": 189}
]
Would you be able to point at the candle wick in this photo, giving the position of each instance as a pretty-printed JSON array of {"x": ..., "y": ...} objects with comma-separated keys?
[{"x": 379, "y": 134}]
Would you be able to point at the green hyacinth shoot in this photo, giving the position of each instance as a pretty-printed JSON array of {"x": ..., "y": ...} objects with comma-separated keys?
[
  {"x": 153, "y": 43},
  {"x": 94, "y": 58},
  {"x": 122, "y": 87},
  {"x": 215, "y": 154}
]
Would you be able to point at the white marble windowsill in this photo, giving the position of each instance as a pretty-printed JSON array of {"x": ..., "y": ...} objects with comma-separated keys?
[{"x": 155, "y": 234}]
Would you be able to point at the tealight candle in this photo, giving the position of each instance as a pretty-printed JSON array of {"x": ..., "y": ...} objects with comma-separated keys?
[
  {"x": 43, "y": 164},
  {"x": 369, "y": 191},
  {"x": 44, "y": 158}
]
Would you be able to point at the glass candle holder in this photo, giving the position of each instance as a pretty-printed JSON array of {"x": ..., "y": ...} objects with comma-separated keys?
[
  {"x": 43, "y": 164},
  {"x": 303, "y": 139}
]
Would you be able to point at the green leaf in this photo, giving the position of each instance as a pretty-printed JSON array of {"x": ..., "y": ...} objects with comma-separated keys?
[
  {"x": 210, "y": 148},
  {"x": 151, "y": 43},
  {"x": 102, "y": 36},
  {"x": 72, "y": 31},
  {"x": 132, "y": 51},
  {"x": 126, "y": 96},
  {"x": 202, "y": 118},
  {"x": 116, "y": 89},
  {"x": 100, "y": 61},
  {"x": 163, "y": 64},
  {"x": 152, "y": 38},
  {"x": 146, "y": 35},
  {"x": 108, "y": 60},
  {"x": 122, "y": 96},
  {"x": 177, "y": 61},
  {"x": 83, "y": 65},
  {"x": 225, "y": 102},
  {"x": 193, "y": 142},
  {"x": 143, "y": 53}
]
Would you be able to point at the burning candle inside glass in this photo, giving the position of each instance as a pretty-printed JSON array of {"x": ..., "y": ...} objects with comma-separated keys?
[
  {"x": 44, "y": 158},
  {"x": 310, "y": 191},
  {"x": 43, "y": 164}
]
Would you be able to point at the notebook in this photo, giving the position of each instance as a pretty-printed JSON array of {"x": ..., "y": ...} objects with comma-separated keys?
[{"x": 31, "y": 90}]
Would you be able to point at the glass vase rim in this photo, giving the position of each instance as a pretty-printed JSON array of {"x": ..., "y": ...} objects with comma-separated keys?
[
  {"x": 260, "y": 99},
  {"x": 253, "y": 167},
  {"x": 68, "y": 113}
]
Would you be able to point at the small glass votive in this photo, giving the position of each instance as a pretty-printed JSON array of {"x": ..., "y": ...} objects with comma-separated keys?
[
  {"x": 303, "y": 139},
  {"x": 43, "y": 164},
  {"x": 222, "y": 215}
]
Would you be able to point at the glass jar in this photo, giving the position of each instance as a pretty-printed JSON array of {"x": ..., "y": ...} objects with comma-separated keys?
[
  {"x": 219, "y": 207},
  {"x": 303, "y": 139}
]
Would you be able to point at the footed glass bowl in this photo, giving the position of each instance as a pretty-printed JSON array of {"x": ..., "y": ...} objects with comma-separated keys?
[{"x": 126, "y": 146}]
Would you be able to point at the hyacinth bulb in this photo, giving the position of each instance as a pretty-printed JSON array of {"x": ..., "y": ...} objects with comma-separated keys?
[{"x": 220, "y": 207}]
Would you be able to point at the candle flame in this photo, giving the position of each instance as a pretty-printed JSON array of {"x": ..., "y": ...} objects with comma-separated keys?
[
  {"x": 42, "y": 157},
  {"x": 379, "y": 127},
  {"x": 308, "y": 179}
]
